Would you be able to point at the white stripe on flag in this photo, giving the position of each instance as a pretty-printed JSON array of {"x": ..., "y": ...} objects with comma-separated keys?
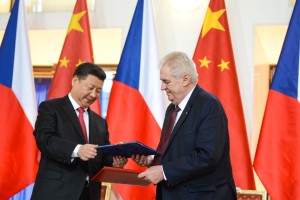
[
  {"x": 149, "y": 71},
  {"x": 22, "y": 83}
]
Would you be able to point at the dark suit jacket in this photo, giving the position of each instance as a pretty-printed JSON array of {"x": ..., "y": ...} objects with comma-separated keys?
[
  {"x": 57, "y": 132},
  {"x": 196, "y": 162}
]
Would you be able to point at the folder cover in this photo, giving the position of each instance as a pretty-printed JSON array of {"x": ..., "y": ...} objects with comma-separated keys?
[
  {"x": 127, "y": 149},
  {"x": 121, "y": 176}
]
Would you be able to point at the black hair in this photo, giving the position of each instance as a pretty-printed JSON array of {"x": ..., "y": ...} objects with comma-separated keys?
[{"x": 88, "y": 68}]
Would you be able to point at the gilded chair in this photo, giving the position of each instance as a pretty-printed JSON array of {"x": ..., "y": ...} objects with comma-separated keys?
[
  {"x": 105, "y": 191},
  {"x": 251, "y": 194}
]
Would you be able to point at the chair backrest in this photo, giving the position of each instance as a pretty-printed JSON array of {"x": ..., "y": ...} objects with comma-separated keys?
[{"x": 251, "y": 194}]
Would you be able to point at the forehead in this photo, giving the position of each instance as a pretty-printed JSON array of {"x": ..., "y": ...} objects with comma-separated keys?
[
  {"x": 165, "y": 72},
  {"x": 92, "y": 80}
]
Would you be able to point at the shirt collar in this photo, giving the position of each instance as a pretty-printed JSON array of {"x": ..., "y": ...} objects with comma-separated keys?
[
  {"x": 73, "y": 102},
  {"x": 185, "y": 100}
]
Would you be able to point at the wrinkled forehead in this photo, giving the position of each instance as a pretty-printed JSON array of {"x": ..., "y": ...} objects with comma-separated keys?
[{"x": 165, "y": 71}]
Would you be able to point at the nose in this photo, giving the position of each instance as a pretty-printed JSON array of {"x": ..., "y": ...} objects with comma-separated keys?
[
  {"x": 94, "y": 93},
  {"x": 163, "y": 86}
]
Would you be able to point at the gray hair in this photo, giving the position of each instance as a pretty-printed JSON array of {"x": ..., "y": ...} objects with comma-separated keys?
[{"x": 180, "y": 64}]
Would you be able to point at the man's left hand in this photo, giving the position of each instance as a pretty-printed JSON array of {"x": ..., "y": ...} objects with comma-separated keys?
[{"x": 153, "y": 174}]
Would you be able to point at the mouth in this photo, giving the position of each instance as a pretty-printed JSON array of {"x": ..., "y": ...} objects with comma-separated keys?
[
  {"x": 90, "y": 99},
  {"x": 170, "y": 97}
]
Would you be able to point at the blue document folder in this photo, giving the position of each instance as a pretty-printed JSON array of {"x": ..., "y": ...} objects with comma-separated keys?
[{"x": 127, "y": 149}]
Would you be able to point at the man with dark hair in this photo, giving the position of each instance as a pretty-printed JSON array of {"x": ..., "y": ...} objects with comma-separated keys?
[{"x": 67, "y": 133}]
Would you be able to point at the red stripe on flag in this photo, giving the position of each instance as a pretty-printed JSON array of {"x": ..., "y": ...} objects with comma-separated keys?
[
  {"x": 129, "y": 121},
  {"x": 17, "y": 146}
]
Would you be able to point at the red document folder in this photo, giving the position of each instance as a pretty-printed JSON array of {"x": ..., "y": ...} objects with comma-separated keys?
[{"x": 117, "y": 175}]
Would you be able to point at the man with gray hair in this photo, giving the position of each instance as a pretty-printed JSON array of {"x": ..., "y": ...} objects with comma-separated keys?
[{"x": 194, "y": 145}]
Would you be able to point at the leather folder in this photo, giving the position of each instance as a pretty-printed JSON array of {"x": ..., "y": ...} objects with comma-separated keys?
[
  {"x": 121, "y": 176},
  {"x": 127, "y": 149}
]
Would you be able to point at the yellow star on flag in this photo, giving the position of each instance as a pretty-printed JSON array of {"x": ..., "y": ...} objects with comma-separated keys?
[
  {"x": 223, "y": 65},
  {"x": 74, "y": 24},
  {"x": 204, "y": 62},
  {"x": 212, "y": 21},
  {"x": 79, "y": 62},
  {"x": 64, "y": 62}
]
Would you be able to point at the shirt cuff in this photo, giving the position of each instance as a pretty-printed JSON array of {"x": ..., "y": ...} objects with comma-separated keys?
[
  {"x": 74, "y": 153},
  {"x": 162, "y": 168}
]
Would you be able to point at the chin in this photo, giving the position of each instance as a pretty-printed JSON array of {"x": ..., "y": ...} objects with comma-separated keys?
[
  {"x": 88, "y": 103},
  {"x": 172, "y": 101}
]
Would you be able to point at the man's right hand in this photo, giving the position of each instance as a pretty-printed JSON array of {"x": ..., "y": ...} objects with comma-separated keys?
[
  {"x": 142, "y": 160},
  {"x": 87, "y": 151}
]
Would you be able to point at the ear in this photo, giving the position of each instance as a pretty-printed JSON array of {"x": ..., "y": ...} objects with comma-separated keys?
[
  {"x": 186, "y": 80},
  {"x": 75, "y": 80}
]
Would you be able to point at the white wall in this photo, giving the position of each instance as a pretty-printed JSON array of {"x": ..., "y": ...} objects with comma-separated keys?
[{"x": 180, "y": 31}]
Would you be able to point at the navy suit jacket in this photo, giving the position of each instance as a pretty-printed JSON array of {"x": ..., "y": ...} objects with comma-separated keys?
[
  {"x": 57, "y": 132},
  {"x": 196, "y": 162}
]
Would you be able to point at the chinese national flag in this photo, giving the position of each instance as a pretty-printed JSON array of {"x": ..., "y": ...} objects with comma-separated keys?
[
  {"x": 76, "y": 50},
  {"x": 217, "y": 74}
]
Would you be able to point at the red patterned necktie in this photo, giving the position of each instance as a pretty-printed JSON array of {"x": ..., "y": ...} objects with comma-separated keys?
[
  {"x": 81, "y": 120},
  {"x": 164, "y": 138}
]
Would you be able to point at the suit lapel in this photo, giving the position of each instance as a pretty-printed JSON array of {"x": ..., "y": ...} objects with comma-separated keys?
[
  {"x": 68, "y": 108},
  {"x": 92, "y": 126},
  {"x": 184, "y": 114}
]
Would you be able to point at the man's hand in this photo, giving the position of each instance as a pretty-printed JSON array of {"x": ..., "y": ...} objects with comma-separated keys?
[
  {"x": 153, "y": 174},
  {"x": 142, "y": 160},
  {"x": 87, "y": 151},
  {"x": 119, "y": 161}
]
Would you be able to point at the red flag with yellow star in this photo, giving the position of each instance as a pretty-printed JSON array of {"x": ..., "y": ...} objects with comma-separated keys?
[
  {"x": 217, "y": 74},
  {"x": 77, "y": 48}
]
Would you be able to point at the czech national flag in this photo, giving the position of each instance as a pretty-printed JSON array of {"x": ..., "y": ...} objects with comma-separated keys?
[
  {"x": 277, "y": 159},
  {"x": 18, "y": 108},
  {"x": 137, "y": 105}
]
